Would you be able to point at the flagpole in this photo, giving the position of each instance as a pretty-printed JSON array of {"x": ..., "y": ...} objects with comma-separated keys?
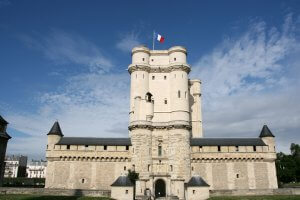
[{"x": 153, "y": 42}]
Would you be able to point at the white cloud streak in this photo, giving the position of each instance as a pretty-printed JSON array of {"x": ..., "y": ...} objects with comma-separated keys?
[{"x": 128, "y": 41}]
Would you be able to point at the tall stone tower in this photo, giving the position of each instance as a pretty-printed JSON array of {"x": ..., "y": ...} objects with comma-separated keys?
[{"x": 164, "y": 114}]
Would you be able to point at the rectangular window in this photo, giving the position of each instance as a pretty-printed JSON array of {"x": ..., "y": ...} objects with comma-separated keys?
[
  {"x": 165, "y": 77},
  {"x": 178, "y": 93},
  {"x": 159, "y": 151},
  {"x": 86, "y": 145},
  {"x": 68, "y": 146},
  {"x": 124, "y": 168},
  {"x": 219, "y": 148},
  {"x": 166, "y": 101},
  {"x": 126, "y": 191},
  {"x": 236, "y": 148},
  {"x": 194, "y": 191},
  {"x": 149, "y": 168},
  {"x": 171, "y": 168},
  {"x": 127, "y": 148},
  {"x": 153, "y": 77},
  {"x": 254, "y": 148},
  {"x": 200, "y": 148},
  {"x": 105, "y": 147}
]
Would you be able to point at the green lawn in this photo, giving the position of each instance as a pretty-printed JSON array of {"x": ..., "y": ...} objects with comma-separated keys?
[
  {"x": 37, "y": 197},
  {"x": 275, "y": 197}
]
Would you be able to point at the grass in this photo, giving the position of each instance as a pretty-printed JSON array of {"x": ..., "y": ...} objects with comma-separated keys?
[
  {"x": 274, "y": 197},
  {"x": 39, "y": 197}
]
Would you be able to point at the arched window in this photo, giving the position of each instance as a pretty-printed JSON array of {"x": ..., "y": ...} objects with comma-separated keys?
[
  {"x": 148, "y": 97},
  {"x": 178, "y": 93}
]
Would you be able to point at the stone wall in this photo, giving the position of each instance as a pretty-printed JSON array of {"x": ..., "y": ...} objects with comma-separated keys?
[
  {"x": 55, "y": 192},
  {"x": 84, "y": 174},
  {"x": 238, "y": 174}
]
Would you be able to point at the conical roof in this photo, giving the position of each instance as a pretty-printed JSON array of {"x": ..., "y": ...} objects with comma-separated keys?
[
  {"x": 3, "y": 121},
  {"x": 265, "y": 132},
  {"x": 122, "y": 181},
  {"x": 197, "y": 181},
  {"x": 55, "y": 130}
]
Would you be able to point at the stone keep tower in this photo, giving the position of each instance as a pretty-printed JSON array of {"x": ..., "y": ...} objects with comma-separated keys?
[{"x": 165, "y": 112}]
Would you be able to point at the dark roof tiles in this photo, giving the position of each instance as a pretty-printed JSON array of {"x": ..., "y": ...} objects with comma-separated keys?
[
  {"x": 2, "y": 120},
  {"x": 227, "y": 142},
  {"x": 55, "y": 130},
  {"x": 265, "y": 132},
  {"x": 122, "y": 181},
  {"x": 197, "y": 181},
  {"x": 94, "y": 141}
]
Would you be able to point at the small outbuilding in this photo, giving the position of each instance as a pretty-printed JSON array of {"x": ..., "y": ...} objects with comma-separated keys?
[
  {"x": 122, "y": 189},
  {"x": 197, "y": 189}
]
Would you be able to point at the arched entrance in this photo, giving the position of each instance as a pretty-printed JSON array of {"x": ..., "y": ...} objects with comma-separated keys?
[{"x": 160, "y": 188}]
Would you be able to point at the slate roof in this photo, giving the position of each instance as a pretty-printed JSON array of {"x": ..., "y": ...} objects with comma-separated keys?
[
  {"x": 265, "y": 132},
  {"x": 227, "y": 142},
  {"x": 5, "y": 135},
  {"x": 55, "y": 130},
  {"x": 94, "y": 141},
  {"x": 122, "y": 181},
  {"x": 197, "y": 181},
  {"x": 2, "y": 120}
]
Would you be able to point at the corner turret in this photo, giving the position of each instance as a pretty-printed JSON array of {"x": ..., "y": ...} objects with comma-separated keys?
[
  {"x": 269, "y": 139},
  {"x": 4, "y": 137},
  {"x": 54, "y": 135}
]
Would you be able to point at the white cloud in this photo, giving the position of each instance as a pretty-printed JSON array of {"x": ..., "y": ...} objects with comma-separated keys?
[
  {"x": 128, "y": 41},
  {"x": 252, "y": 80},
  {"x": 64, "y": 48}
]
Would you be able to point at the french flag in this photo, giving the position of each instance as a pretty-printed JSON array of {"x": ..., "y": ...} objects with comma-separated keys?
[{"x": 160, "y": 38}]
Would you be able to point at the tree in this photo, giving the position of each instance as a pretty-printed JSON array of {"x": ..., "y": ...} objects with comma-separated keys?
[
  {"x": 288, "y": 166},
  {"x": 133, "y": 177}
]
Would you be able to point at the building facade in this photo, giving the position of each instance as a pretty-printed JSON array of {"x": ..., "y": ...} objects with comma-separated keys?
[
  {"x": 36, "y": 169},
  {"x": 4, "y": 137},
  {"x": 166, "y": 146},
  {"x": 15, "y": 166}
]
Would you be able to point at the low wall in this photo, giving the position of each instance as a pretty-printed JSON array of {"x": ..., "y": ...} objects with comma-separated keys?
[
  {"x": 246, "y": 192},
  {"x": 55, "y": 192}
]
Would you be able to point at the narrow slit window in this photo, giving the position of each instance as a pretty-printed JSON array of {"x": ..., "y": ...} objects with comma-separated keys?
[
  {"x": 236, "y": 148},
  {"x": 165, "y": 77},
  {"x": 105, "y": 147},
  {"x": 254, "y": 148},
  {"x": 178, "y": 93},
  {"x": 200, "y": 148},
  {"x": 124, "y": 168},
  {"x": 127, "y": 148},
  {"x": 126, "y": 192},
  {"x": 143, "y": 59},
  {"x": 185, "y": 94},
  {"x": 171, "y": 168},
  {"x": 159, "y": 150},
  {"x": 174, "y": 59},
  {"x": 219, "y": 148},
  {"x": 82, "y": 180},
  {"x": 68, "y": 146},
  {"x": 166, "y": 101},
  {"x": 153, "y": 77},
  {"x": 237, "y": 176},
  {"x": 149, "y": 168}
]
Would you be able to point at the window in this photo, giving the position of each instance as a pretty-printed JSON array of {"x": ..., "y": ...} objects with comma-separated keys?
[
  {"x": 105, "y": 147},
  {"x": 143, "y": 59},
  {"x": 171, "y": 168},
  {"x": 236, "y": 148},
  {"x": 143, "y": 76},
  {"x": 254, "y": 148},
  {"x": 192, "y": 168},
  {"x": 185, "y": 94},
  {"x": 68, "y": 146},
  {"x": 200, "y": 148},
  {"x": 194, "y": 191},
  {"x": 47, "y": 146},
  {"x": 159, "y": 151},
  {"x": 152, "y": 60},
  {"x": 166, "y": 101},
  {"x": 127, "y": 148},
  {"x": 153, "y": 77},
  {"x": 82, "y": 180},
  {"x": 149, "y": 168},
  {"x": 136, "y": 76},
  {"x": 148, "y": 97},
  {"x": 174, "y": 59},
  {"x": 86, "y": 146},
  {"x": 219, "y": 148},
  {"x": 178, "y": 93},
  {"x": 126, "y": 191},
  {"x": 124, "y": 168},
  {"x": 237, "y": 176}
]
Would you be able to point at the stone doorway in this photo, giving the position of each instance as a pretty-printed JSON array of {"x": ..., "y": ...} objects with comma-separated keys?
[{"x": 160, "y": 188}]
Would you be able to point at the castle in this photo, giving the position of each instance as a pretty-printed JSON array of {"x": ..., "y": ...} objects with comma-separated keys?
[{"x": 166, "y": 146}]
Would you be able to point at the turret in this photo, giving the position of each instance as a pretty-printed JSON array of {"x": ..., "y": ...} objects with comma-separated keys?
[
  {"x": 54, "y": 135},
  {"x": 195, "y": 108},
  {"x": 269, "y": 139}
]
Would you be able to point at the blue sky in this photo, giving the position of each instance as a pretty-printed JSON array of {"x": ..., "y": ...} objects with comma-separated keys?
[{"x": 66, "y": 60}]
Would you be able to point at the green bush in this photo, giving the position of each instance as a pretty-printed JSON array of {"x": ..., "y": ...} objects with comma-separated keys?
[{"x": 24, "y": 182}]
